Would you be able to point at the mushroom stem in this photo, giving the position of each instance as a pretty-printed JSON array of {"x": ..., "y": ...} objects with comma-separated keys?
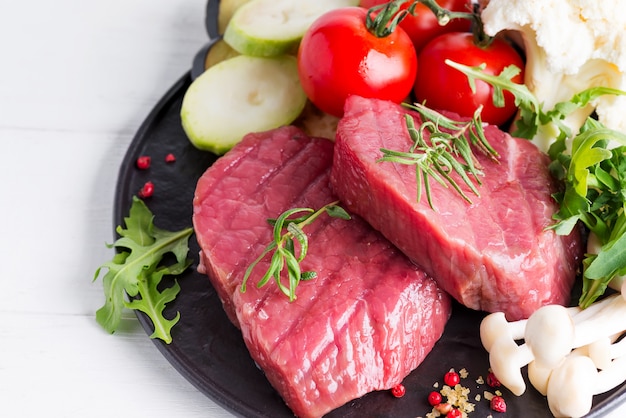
[
  {"x": 605, "y": 350},
  {"x": 495, "y": 325},
  {"x": 585, "y": 314},
  {"x": 539, "y": 376},
  {"x": 611, "y": 376},
  {"x": 606, "y": 321},
  {"x": 507, "y": 359}
]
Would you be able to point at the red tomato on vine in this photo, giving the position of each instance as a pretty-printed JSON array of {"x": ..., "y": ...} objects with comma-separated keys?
[
  {"x": 442, "y": 87},
  {"x": 423, "y": 26},
  {"x": 339, "y": 56}
]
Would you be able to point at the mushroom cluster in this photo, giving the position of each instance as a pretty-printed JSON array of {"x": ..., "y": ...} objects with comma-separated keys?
[{"x": 571, "y": 354}]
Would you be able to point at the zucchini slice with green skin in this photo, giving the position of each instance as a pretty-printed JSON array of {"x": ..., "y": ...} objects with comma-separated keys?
[
  {"x": 241, "y": 95},
  {"x": 275, "y": 27}
]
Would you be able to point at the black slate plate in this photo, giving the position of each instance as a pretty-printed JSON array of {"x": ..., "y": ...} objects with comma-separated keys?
[{"x": 209, "y": 351}]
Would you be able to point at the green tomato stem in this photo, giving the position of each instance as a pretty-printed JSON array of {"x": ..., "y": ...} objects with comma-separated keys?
[{"x": 389, "y": 15}]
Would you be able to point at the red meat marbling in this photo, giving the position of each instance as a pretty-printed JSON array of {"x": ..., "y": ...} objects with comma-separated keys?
[
  {"x": 366, "y": 321},
  {"x": 495, "y": 254}
]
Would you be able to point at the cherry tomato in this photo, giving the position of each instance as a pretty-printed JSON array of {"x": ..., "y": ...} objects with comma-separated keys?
[
  {"x": 445, "y": 88},
  {"x": 339, "y": 57},
  {"x": 423, "y": 25}
]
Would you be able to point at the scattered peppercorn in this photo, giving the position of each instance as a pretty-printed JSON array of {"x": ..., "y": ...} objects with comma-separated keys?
[
  {"x": 498, "y": 404},
  {"x": 143, "y": 162},
  {"x": 434, "y": 398},
  {"x": 170, "y": 158},
  {"x": 444, "y": 408},
  {"x": 454, "y": 413},
  {"x": 492, "y": 380},
  {"x": 147, "y": 190},
  {"x": 398, "y": 390},
  {"x": 451, "y": 378}
]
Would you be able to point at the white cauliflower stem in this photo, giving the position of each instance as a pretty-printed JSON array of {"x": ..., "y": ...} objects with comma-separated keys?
[{"x": 570, "y": 45}]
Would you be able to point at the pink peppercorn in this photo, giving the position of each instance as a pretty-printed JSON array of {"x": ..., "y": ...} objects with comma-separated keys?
[
  {"x": 451, "y": 379},
  {"x": 143, "y": 162},
  {"x": 398, "y": 390},
  {"x": 492, "y": 380},
  {"x": 147, "y": 190},
  {"x": 454, "y": 413},
  {"x": 170, "y": 158},
  {"x": 434, "y": 398},
  {"x": 498, "y": 404}
]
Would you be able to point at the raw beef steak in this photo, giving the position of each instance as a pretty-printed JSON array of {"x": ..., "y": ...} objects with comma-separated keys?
[
  {"x": 494, "y": 254},
  {"x": 366, "y": 321}
]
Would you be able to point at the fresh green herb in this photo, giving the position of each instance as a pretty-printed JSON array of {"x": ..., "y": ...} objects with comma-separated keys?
[
  {"x": 447, "y": 151},
  {"x": 593, "y": 172},
  {"x": 285, "y": 252},
  {"x": 136, "y": 270},
  {"x": 595, "y": 194},
  {"x": 531, "y": 114}
]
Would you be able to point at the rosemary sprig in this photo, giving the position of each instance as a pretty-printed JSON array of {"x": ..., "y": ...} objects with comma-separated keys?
[
  {"x": 448, "y": 151},
  {"x": 285, "y": 252}
]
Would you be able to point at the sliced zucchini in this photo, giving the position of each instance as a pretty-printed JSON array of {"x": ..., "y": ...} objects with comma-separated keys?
[
  {"x": 219, "y": 52},
  {"x": 275, "y": 27},
  {"x": 241, "y": 95},
  {"x": 226, "y": 12}
]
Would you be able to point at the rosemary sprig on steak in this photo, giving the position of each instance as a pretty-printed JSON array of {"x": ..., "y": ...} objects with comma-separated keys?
[
  {"x": 446, "y": 149},
  {"x": 285, "y": 252}
]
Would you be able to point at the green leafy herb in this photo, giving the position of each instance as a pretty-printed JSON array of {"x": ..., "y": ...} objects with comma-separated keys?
[
  {"x": 595, "y": 194},
  {"x": 447, "y": 151},
  {"x": 285, "y": 251},
  {"x": 136, "y": 270},
  {"x": 531, "y": 113}
]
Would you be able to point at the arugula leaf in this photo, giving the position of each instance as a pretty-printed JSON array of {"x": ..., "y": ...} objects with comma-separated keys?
[
  {"x": 595, "y": 194},
  {"x": 531, "y": 114},
  {"x": 136, "y": 271}
]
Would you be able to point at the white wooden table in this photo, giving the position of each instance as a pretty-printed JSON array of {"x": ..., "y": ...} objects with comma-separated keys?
[{"x": 76, "y": 80}]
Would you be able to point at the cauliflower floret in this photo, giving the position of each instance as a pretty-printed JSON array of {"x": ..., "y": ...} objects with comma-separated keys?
[{"x": 570, "y": 45}]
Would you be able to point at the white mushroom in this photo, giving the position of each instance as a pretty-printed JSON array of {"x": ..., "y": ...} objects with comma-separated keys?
[
  {"x": 539, "y": 375},
  {"x": 550, "y": 334},
  {"x": 583, "y": 315},
  {"x": 551, "y": 323},
  {"x": 506, "y": 359},
  {"x": 573, "y": 384},
  {"x": 495, "y": 325},
  {"x": 570, "y": 388},
  {"x": 605, "y": 350},
  {"x": 606, "y": 319}
]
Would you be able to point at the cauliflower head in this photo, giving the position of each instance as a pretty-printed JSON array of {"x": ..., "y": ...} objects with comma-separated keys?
[{"x": 570, "y": 45}]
